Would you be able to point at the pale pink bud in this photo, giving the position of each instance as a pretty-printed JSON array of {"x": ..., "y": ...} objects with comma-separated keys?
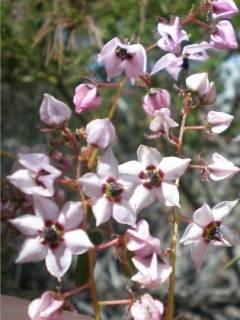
[
  {"x": 219, "y": 121},
  {"x": 53, "y": 112},
  {"x": 86, "y": 97},
  {"x": 220, "y": 168},
  {"x": 100, "y": 133},
  {"x": 224, "y": 9},
  {"x": 224, "y": 36},
  {"x": 162, "y": 121},
  {"x": 155, "y": 100},
  {"x": 147, "y": 308},
  {"x": 119, "y": 57},
  {"x": 199, "y": 84}
]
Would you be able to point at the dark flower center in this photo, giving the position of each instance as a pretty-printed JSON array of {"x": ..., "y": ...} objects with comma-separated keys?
[
  {"x": 123, "y": 54},
  {"x": 41, "y": 173},
  {"x": 52, "y": 234},
  {"x": 152, "y": 177},
  {"x": 213, "y": 232},
  {"x": 112, "y": 190}
]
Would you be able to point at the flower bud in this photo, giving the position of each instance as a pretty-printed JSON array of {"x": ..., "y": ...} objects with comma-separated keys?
[
  {"x": 53, "y": 112},
  {"x": 224, "y": 9},
  {"x": 100, "y": 133},
  {"x": 86, "y": 97},
  {"x": 220, "y": 168},
  {"x": 156, "y": 100},
  {"x": 163, "y": 121},
  {"x": 224, "y": 36},
  {"x": 218, "y": 121}
]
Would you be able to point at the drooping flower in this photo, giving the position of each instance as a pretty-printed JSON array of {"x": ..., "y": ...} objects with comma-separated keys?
[
  {"x": 162, "y": 121},
  {"x": 47, "y": 307},
  {"x": 53, "y": 112},
  {"x": 155, "y": 100},
  {"x": 220, "y": 168},
  {"x": 175, "y": 63},
  {"x": 140, "y": 241},
  {"x": 156, "y": 177},
  {"x": 119, "y": 57},
  {"x": 218, "y": 122},
  {"x": 224, "y": 36},
  {"x": 109, "y": 191},
  {"x": 152, "y": 270},
  {"x": 54, "y": 235},
  {"x": 199, "y": 84},
  {"x": 207, "y": 229},
  {"x": 172, "y": 36},
  {"x": 100, "y": 133},
  {"x": 224, "y": 9},
  {"x": 37, "y": 175},
  {"x": 147, "y": 308},
  {"x": 86, "y": 97}
]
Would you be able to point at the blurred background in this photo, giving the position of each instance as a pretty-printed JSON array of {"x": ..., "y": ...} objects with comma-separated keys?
[{"x": 47, "y": 47}]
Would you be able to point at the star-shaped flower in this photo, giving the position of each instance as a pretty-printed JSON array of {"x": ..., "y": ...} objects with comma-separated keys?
[
  {"x": 109, "y": 191},
  {"x": 207, "y": 229},
  {"x": 162, "y": 121},
  {"x": 156, "y": 177},
  {"x": 54, "y": 235}
]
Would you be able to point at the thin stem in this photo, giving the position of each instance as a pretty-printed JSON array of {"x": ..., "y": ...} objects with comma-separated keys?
[
  {"x": 116, "y": 98},
  {"x": 107, "y": 85},
  {"x": 93, "y": 157},
  {"x": 151, "y": 46},
  {"x": 181, "y": 133},
  {"x": 197, "y": 166},
  {"x": 75, "y": 290},
  {"x": 115, "y": 302},
  {"x": 92, "y": 286},
  {"x": 8, "y": 155},
  {"x": 108, "y": 244},
  {"x": 201, "y": 24},
  {"x": 71, "y": 139},
  {"x": 194, "y": 128}
]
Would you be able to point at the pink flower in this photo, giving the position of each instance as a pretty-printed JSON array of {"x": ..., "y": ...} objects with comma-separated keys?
[
  {"x": 220, "y": 168},
  {"x": 152, "y": 270},
  {"x": 156, "y": 177},
  {"x": 100, "y": 133},
  {"x": 218, "y": 121},
  {"x": 199, "y": 84},
  {"x": 45, "y": 308},
  {"x": 162, "y": 121},
  {"x": 175, "y": 63},
  {"x": 207, "y": 229},
  {"x": 224, "y": 36},
  {"x": 147, "y": 308},
  {"x": 37, "y": 175},
  {"x": 172, "y": 36},
  {"x": 86, "y": 97},
  {"x": 224, "y": 9},
  {"x": 156, "y": 99},
  {"x": 109, "y": 191},
  {"x": 140, "y": 241},
  {"x": 53, "y": 112},
  {"x": 54, "y": 235},
  {"x": 119, "y": 57}
]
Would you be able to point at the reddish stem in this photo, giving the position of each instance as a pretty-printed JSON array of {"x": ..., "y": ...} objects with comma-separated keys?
[
  {"x": 194, "y": 128},
  {"x": 115, "y": 302},
  {"x": 75, "y": 290},
  {"x": 197, "y": 166},
  {"x": 108, "y": 244}
]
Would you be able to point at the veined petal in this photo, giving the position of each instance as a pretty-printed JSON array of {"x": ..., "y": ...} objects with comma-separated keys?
[
  {"x": 124, "y": 213},
  {"x": 198, "y": 253},
  {"x": 141, "y": 198},
  {"x": 28, "y": 224},
  {"x": 203, "y": 216},
  {"x": 71, "y": 215},
  {"x": 168, "y": 192},
  {"x": 193, "y": 233},
  {"x": 45, "y": 208},
  {"x": 22, "y": 180},
  {"x": 148, "y": 156},
  {"x": 166, "y": 61},
  {"x": 222, "y": 209},
  {"x": 107, "y": 165},
  {"x": 77, "y": 241},
  {"x": 102, "y": 210},
  {"x": 58, "y": 261},
  {"x": 173, "y": 167},
  {"x": 32, "y": 250},
  {"x": 92, "y": 185},
  {"x": 131, "y": 167}
]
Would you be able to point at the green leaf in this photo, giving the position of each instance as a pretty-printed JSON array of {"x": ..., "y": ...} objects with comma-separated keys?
[{"x": 82, "y": 270}]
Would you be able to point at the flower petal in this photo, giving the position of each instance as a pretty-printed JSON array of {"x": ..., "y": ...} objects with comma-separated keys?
[
  {"x": 222, "y": 209},
  {"x": 77, "y": 241},
  {"x": 23, "y": 181},
  {"x": 131, "y": 167},
  {"x": 173, "y": 167},
  {"x": 148, "y": 156},
  {"x": 32, "y": 250},
  {"x": 198, "y": 253},
  {"x": 102, "y": 210},
  {"x": 203, "y": 216},
  {"x": 33, "y": 161},
  {"x": 71, "y": 215},
  {"x": 141, "y": 198},
  {"x": 28, "y": 224},
  {"x": 92, "y": 185},
  {"x": 168, "y": 194},
  {"x": 58, "y": 261},
  {"x": 45, "y": 208},
  {"x": 192, "y": 233},
  {"x": 123, "y": 213},
  {"x": 107, "y": 165}
]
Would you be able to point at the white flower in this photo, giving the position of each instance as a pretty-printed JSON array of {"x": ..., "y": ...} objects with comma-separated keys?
[
  {"x": 220, "y": 168},
  {"x": 162, "y": 121},
  {"x": 219, "y": 121}
]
